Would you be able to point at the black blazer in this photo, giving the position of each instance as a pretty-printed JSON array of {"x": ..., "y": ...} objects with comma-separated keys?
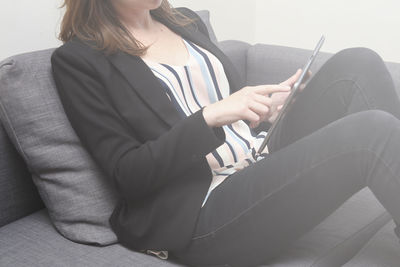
[{"x": 154, "y": 157}]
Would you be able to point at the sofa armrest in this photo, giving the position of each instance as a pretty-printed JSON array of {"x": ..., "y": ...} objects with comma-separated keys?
[{"x": 237, "y": 52}]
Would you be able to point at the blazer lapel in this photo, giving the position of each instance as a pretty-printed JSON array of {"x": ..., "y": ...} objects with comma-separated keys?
[{"x": 142, "y": 80}]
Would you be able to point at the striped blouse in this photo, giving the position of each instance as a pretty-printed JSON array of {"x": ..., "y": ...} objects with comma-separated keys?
[{"x": 198, "y": 83}]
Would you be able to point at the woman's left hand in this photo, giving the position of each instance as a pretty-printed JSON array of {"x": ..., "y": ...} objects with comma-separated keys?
[{"x": 279, "y": 98}]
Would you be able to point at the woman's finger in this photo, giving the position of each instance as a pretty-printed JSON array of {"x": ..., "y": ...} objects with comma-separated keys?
[
  {"x": 270, "y": 89},
  {"x": 251, "y": 116},
  {"x": 267, "y": 101},
  {"x": 308, "y": 76},
  {"x": 280, "y": 96},
  {"x": 292, "y": 80},
  {"x": 260, "y": 109}
]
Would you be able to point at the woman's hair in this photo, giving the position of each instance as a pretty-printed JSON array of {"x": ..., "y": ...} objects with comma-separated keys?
[{"x": 97, "y": 23}]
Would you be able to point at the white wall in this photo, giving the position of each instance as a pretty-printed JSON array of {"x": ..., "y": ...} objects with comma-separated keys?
[
  {"x": 231, "y": 19},
  {"x": 346, "y": 23},
  {"x": 27, "y": 25}
]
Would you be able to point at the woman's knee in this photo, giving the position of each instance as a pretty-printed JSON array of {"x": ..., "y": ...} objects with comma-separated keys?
[
  {"x": 362, "y": 131},
  {"x": 359, "y": 64},
  {"x": 357, "y": 61},
  {"x": 359, "y": 55},
  {"x": 373, "y": 123},
  {"x": 380, "y": 118},
  {"x": 366, "y": 123}
]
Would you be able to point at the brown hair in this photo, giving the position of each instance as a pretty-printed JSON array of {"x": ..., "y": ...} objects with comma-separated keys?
[{"x": 96, "y": 22}]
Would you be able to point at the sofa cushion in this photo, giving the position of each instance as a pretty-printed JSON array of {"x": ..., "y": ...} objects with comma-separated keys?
[
  {"x": 32, "y": 241},
  {"x": 76, "y": 193},
  {"x": 237, "y": 53},
  {"x": 18, "y": 195},
  {"x": 382, "y": 250},
  {"x": 205, "y": 17}
]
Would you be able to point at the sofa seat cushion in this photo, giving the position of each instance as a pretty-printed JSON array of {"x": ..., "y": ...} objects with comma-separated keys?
[
  {"x": 383, "y": 250},
  {"x": 340, "y": 236},
  {"x": 33, "y": 241}
]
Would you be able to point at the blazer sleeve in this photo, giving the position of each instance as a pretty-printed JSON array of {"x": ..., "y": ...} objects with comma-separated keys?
[{"x": 137, "y": 168}]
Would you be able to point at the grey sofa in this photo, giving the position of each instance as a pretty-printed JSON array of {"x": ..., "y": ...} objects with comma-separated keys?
[{"x": 359, "y": 233}]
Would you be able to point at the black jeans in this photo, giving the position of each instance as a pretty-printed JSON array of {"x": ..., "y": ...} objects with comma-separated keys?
[{"x": 341, "y": 135}]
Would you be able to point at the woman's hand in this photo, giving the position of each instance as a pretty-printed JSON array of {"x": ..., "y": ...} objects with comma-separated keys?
[
  {"x": 251, "y": 103},
  {"x": 279, "y": 98}
]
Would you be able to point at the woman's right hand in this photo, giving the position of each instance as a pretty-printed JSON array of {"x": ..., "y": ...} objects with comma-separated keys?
[{"x": 251, "y": 103}]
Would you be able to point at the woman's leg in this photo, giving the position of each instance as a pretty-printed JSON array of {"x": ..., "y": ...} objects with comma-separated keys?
[
  {"x": 353, "y": 80},
  {"x": 260, "y": 210}
]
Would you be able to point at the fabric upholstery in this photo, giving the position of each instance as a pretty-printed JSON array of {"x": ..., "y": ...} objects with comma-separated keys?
[
  {"x": 382, "y": 250},
  {"x": 237, "y": 53},
  {"x": 73, "y": 189},
  {"x": 32, "y": 241},
  {"x": 18, "y": 195},
  {"x": 205, "y": 16}
]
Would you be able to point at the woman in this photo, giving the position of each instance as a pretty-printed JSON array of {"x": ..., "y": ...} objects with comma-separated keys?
[{"x": 162, "y": 111}]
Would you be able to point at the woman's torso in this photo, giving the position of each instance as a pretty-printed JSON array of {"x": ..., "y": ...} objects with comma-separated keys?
[{"x": 197, "y": 81}]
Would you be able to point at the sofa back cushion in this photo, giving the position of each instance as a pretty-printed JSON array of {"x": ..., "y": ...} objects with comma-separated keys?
[
  {"x": 18, "y": 195},
  {"x": 205, "y": 17},
  {"x": 77, "y": 195}
]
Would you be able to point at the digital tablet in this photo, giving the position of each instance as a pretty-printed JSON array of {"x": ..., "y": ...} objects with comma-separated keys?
[{"x": 292, "y": 94}]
